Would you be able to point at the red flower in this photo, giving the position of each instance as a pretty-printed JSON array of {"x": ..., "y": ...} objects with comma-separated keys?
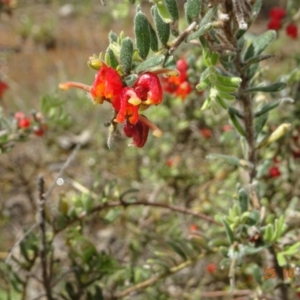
[
  {"x": 24, "y": 123},
  {"x": 206, "y": 133},
  {"x": 138, "y": 132},
  {"x": 193, "y": 228},
  {"x": 107, "y": 85},
  {"x": 292, "y": 31},
  {"x": 211, "y": 268},
  {"x": 277, "y": 13},
  {"x": 148, "y": 89},
  {"x": 126, "y": 101},
  {"x": 3, "y": 88},
  {"x": 274, "y": 24},
  {"x": 274, "y": 172},
  {"x": 40, "y": 130},
  {"x": 179, "y": 85}
]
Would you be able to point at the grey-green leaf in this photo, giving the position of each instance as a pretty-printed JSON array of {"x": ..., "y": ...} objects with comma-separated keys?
[
  {"x": 130, "y": 79},
  {"x": 229, "y": 232},
  {"x": 149, "y": 63},
  {"x": 172, "y": 9},
  {"x": 202, "y": 30},
  {"x": 153, "y": 39},
  {"x": 113, "y": 60},
  {"x": 192, "y": 10},
  {"x": 259, "y": 44},
  {"x": 243, "y": 199},
  {"x": 272, "y": 88},
  {"x": 126, "y": 53},
  {"x": 142, "y": 34},
  {"x": 162, "y": 28},
  {"x": 112, "y": 37}
]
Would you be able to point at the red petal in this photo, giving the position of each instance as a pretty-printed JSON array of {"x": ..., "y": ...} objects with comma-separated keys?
[
  {"x": 148, "y": 87},
  {"x": 138, "y": 132}
]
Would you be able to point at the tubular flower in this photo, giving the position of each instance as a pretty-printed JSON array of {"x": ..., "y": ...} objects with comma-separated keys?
[
  {"x": 179, "y": 85},
  {"x": 149, "y": 89},
  {"x": 138, "y": 132},
  {"x": 107, "y": 84},
  {"x": 126, "y": 101}
]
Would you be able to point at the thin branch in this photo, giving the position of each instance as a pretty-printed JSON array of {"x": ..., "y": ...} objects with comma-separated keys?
[
  {"x": 182, "y": 37},
  {"x": 156, "y": 278},
  {"x": 19, "y": 241},
  {"x": 34, "y": 226},
  {"x": 62, "y": 170},
  {"x": 43, "y": 239}
]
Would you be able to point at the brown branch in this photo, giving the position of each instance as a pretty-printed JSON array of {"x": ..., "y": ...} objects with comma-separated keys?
[
  {"x": 156, "y": 278},
  {"x": 43, "y": 239},
  {"x": 182, "y": 37}
]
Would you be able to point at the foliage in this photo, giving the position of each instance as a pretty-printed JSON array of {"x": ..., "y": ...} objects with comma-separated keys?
[{"x": 157, "y": 221}]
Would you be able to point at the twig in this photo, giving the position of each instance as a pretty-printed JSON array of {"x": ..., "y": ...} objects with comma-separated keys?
[
  {"x": 43, "y": 239},
  {"x": 156, "y": 278},
  {"x": 19, "y": 241},
  {"x": 226, "y": 293},
  {"x": 63, "y": 168},
  {"x": 182, "y": 37},
  {"x": 100, "y": 207}
]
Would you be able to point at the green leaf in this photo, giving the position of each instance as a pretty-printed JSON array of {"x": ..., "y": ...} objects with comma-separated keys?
[
  {"x": 272, "y": 88},
  {"x": 172, "y": 9},
  {"x": 221, "y": 101},
  {"x": 292, "y": 250},
  {"x": 243, "y": 200},
  {"x": 113, "y": 60},
  {"x": 163, "y": 11},
  {"x": 126, "y": 53},
  {"x": 231, "y": 160},
  {"x": 208, "y": 16},
  {"x": 162, "y": 28},
  {"x": 229, "y": 232},
  {"x": 132, "y": 1},
  {"x": 177, "y": 249},
  {"x": 192, "y": 10},
  {"x": 260, "y": 123},
  {"x": 281, "y": 259},
  {"x": 149, "y": 63},
  {"x": 266, "y": 108},
  {"x": 233, "y": 110},
  {"x": 202, "y": 86},
  {"x": 112, "y": 37},
  {"x": 253, "y": 217},
  {"x": 259, "y": 44},
  {"x": 130, "y": 79},
  {"x": 153, "y": 39},
  {"x": 202, "y": 30},
  {"x": 142, "y": 34},
  {"x": 228, "y": 81},
  {"x": 237, "y": 124},
  {"x": 268, "y": 233}
]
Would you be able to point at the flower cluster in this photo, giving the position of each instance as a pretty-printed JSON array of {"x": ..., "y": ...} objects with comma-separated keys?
[
  {"x": 179, "y": 85},
  {"x": 126, "y": 101},
  {"x": 276, "y": 16},
  {"x": 36, "y": 124}
]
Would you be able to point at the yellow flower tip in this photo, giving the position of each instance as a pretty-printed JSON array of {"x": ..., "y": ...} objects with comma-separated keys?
[
  {"x": 158, "y": 133},
  {"x": 135, "y": 101},
  {"x": 63, "y": 86}
]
